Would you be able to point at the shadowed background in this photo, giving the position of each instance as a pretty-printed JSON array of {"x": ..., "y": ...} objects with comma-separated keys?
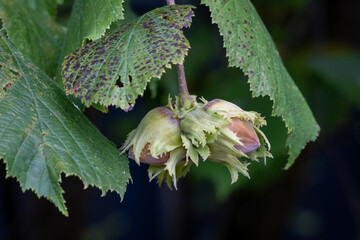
[{"x": 318, "y": 198}]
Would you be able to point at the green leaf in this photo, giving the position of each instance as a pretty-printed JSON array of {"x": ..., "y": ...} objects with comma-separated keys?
[
  {"x": 43, "y": 134},
  {"x": 47, "y": 6},
  {"x": 115, "y": 69},
  {"x": 89, "y": 20},
  {"x": 250, "y": 47},
  {"x": 31, "y": 27}
]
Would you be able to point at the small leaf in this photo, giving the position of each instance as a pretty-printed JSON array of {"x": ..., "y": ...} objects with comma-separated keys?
[
  {"x": 31, "y": 27},
  {"x": 42, "y": 134},
  {"x": 115, "y": 69},
  {"x": 89, "y": 20},
  {"x": 250, "y": 47}
]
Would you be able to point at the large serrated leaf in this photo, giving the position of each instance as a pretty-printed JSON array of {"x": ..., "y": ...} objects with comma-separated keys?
[
  {"x": 31, "y": 27},
  {"x": 42, "y": 134},
  {"x": 250, "y": 47},
  {"x": 89, "y": 20},
  {"x": 115, "y": 69}
]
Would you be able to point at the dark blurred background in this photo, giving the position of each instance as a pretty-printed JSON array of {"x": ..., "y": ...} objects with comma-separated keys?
[{"x": 318, "y": 198}]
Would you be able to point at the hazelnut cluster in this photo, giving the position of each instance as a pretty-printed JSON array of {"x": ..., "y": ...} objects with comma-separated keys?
[{"x": 172, "y": 138}]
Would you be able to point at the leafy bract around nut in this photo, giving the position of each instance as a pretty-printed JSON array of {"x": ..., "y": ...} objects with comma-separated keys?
[
  {"x": 231, "y": 144},
  {"x": 157, "y": 134},
  {"x": 115, "y": 69},
  {"x": 184, "y": 133},
  {"x": 158, "y": 130}
]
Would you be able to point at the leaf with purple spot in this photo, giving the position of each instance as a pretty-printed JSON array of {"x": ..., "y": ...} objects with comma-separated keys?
[{"x": 115, "y": 69}]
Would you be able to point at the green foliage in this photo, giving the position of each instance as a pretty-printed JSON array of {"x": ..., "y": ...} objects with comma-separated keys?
[
  {"x": 341, "y": 71},
  {"x": 42, "y": 134},
  {"x": 31, "y": 27},
  {"x": 250, "y": 47},
  {"x": 89, "y": 20},
  {"x": 115, "y": 69},
  {"x": 48, "y": 6}
]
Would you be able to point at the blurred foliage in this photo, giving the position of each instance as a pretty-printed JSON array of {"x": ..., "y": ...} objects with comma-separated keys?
[
  {"x": 31, "y": 27},
  {"x": 339, "y": 71}
]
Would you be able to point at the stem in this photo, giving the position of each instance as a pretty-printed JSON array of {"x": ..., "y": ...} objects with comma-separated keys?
[
  {"x": 182, "y": 82},
  {"x": 184, "y": 92}
]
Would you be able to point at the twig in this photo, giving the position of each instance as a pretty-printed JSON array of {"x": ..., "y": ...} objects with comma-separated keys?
[
  {"x": 181, "y": 74},
  {"x": 170, "y": 2},
  {"x": 182, "y": 81}
]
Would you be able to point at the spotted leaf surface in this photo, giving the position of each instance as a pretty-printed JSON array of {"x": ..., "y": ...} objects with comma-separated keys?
[
  {"x": 8, "y": 73},
  {"x": 31, "y": 27},
  {"x": 115, "y": 69},
  {"x": 43, "y": 135},
  {"x": 89, "y": 20},
  {"x": 250, "y": 47}
]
